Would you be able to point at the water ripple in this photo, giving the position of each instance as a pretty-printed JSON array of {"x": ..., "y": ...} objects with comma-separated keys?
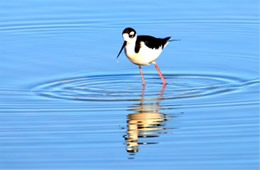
[{"x": 127, "y": 87}]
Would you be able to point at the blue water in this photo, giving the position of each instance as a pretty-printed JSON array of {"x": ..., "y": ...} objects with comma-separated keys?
[{"x": 66, "y": 103}]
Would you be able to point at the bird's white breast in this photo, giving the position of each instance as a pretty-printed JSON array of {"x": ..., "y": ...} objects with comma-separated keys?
[{"x": 145, "y": 56}]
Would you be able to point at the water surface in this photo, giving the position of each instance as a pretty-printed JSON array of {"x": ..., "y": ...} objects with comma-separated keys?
[{"x": 65, "y": 102}]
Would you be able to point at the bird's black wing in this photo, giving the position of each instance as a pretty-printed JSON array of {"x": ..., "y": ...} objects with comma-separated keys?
[{"x": 150, "y": 42}]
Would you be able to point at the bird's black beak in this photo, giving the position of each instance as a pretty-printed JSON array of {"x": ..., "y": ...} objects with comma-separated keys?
[{"x": 123, "y": 46}]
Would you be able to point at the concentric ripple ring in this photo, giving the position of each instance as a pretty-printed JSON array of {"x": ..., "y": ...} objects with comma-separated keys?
[{"x": 127, "y": 87}]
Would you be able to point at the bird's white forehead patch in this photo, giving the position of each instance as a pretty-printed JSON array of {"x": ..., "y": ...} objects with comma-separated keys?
[
  {"x": 125, "y": 36},
  {"x": 132, "y": 33}
]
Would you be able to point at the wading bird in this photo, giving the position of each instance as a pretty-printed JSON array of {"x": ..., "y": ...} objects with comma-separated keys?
[{"x": 143, "y": 50}]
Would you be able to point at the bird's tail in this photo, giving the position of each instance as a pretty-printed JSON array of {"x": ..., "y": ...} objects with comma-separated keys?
[
  {"x": 168, "y": 39},
  {"x": 174, "y": 40}
]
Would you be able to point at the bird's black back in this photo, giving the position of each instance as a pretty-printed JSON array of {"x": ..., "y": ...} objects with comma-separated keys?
[{"x": 150, "y": 42}]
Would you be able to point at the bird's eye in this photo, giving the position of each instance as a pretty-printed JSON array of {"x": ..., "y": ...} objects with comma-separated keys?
[{"x": 131, "y": 34}]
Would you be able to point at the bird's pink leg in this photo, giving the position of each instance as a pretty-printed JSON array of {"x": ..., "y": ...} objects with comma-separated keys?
[
  {"x": 141, "y": 73},
  {"x": 157, "y": 68}
]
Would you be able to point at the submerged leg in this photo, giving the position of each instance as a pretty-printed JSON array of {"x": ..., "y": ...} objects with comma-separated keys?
[
  {"x": 141, "y": 73},
  {"x": 157, "y": 68}
]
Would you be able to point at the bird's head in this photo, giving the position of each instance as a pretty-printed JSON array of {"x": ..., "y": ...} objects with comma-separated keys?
[{"x": 129, "y": 35}]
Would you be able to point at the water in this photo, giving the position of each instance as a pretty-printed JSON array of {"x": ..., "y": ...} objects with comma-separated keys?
[{"x": 65, "y": 103}]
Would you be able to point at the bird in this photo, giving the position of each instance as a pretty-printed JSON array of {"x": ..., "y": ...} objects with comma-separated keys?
[{"x": 143, "y": 50}]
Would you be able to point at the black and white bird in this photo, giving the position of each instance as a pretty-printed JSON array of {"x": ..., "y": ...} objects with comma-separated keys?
[{"x": 143, "y": 50}]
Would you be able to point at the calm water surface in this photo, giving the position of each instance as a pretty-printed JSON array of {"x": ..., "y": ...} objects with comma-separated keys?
[{"x": 65, "y": 102}]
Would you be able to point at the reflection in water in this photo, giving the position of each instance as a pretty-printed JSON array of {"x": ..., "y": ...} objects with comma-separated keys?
[{"x": 146, "y": 122}]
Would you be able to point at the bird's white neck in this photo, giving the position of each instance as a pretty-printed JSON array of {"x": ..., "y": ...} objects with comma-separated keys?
[{"x": 130, "y": 49}]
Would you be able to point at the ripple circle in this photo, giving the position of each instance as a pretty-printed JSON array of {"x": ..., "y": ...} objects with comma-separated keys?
[{"x": 128, "y": 87}]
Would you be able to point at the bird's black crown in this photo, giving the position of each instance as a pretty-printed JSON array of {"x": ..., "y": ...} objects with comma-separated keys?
[{"x": 130, "y": 31}]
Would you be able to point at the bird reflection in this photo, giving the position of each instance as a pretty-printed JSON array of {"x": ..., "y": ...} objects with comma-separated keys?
[{"x": 146, "y": 122}]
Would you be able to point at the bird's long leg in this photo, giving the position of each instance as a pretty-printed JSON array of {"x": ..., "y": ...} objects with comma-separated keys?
[
  {"x": 157, "y": 68},
  {"x": 142, "y": 76}
]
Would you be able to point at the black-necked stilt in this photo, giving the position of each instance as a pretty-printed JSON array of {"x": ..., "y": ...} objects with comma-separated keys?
[{"x": 143, "y": 50}]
